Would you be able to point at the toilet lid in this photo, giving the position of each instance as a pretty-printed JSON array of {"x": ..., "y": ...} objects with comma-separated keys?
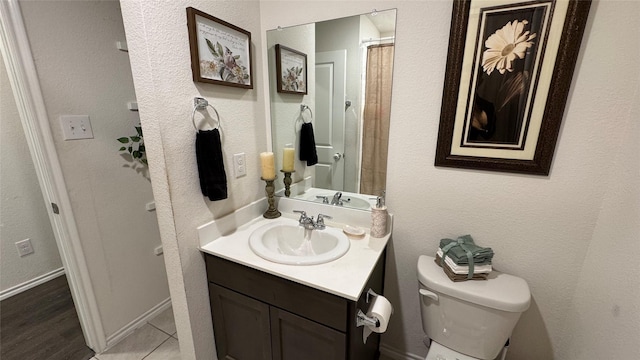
[{"x": 439, "y": 352}]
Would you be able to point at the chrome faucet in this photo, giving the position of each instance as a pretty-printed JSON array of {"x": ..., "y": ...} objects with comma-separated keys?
[
  {"x": 336, "y": 198},
  {"x": 305, "y": 221},
  {"x": 308, "y": 223}
]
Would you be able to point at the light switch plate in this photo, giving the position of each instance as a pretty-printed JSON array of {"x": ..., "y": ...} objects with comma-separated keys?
[
  {"x": 75, "y": 127},
  {"x": 239, "y": 165}
]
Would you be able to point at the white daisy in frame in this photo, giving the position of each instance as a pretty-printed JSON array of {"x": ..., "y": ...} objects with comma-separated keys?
[{"x": 505, "y": 45}]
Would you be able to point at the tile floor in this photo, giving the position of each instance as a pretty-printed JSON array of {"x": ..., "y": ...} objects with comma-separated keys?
[{"x": 156, "y": 340}]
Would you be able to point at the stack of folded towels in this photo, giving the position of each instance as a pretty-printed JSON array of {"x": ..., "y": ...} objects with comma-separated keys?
[{"x": 463, "y": 259}]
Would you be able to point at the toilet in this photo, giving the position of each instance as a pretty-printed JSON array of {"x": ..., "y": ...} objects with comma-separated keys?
[{"x": 469, "y": 320}]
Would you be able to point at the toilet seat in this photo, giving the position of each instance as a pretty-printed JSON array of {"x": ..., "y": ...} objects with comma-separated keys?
[{"x": 440, "y": 352}]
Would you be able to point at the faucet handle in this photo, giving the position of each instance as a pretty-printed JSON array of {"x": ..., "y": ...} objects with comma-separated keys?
[
  {"x": 303, "y": 215},
  {"x": 320, "y": 222},
  {"x": 325, "y": 199}
]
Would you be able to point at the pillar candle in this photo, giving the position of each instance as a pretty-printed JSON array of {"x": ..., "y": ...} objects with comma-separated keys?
[
  {"x": 268, "y": 166},
  {"x": 287, "y": 159}
]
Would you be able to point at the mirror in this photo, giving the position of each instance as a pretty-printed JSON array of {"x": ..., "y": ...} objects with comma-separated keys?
[{"x": 336, "y": 75}]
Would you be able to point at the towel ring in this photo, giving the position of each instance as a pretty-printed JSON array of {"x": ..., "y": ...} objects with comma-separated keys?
[
  {"x": 304, "y": 107},
  {"x": 201, "y": 104}
]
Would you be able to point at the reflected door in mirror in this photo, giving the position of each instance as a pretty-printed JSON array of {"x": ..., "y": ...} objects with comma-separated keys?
[{"x": 329, "y": 123}]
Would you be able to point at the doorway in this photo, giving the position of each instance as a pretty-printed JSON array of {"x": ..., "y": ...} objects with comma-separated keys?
[
  {"x": 38, "y": 317},
  {"x": 99, "y": 204}
]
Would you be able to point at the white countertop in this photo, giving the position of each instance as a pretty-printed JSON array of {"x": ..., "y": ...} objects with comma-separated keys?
[{"x": 346, "y": 276}]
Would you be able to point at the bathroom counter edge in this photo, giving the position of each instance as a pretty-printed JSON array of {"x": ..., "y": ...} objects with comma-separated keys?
[{"x": 346, "y": 276}]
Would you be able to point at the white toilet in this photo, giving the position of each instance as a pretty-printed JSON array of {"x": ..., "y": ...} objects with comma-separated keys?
[{"x": 468, "y": 320}]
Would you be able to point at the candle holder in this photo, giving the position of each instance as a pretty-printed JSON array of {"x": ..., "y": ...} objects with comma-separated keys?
[
  {"x": 272, "y": 212},
  {"x": 287, "y": 182}
]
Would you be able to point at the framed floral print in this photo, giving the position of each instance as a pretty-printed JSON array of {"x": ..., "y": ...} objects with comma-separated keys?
[
  {"x": 220, "y": 52},
  {"x": 509, "y": 69},
  {"x": 291, "y": 71}
]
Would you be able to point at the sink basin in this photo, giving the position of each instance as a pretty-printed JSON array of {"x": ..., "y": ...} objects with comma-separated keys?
[
  {"x": 286, "y": 242},
  {"x": 347, "y": 201}
]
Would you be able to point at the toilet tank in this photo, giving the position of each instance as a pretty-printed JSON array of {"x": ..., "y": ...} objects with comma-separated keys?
[{"x": 474, "y": 317}]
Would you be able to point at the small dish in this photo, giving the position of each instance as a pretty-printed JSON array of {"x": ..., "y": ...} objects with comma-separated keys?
[{"x": 353, "y": 231}]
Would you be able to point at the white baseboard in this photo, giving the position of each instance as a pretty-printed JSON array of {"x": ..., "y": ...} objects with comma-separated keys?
[
  {"x": 137, "y": 323},
  {"x": 14, "y": 290},
  {"x": 396, "y": 354}
]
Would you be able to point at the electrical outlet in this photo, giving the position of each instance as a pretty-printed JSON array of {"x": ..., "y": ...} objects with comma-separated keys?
[
  {"x": 24, "y": 247},
  {"x": 239, "y": 165},
  {"x": 76, "y": 127}
]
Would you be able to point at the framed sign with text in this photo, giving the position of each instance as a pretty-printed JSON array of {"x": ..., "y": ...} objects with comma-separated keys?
[
  {"x": 220, "y": 52},
  {"x": 291, "y": 70}
]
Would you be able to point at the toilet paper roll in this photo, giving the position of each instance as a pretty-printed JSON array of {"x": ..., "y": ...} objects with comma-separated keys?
[{"x": 380, "y": 309}]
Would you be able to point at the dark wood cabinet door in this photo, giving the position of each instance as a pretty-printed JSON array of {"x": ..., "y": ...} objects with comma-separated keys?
[
  {"x": 240, "y": 325},
  {"x": 295, "y": 338}
]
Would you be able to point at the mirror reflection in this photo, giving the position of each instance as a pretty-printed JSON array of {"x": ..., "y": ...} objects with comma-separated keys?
[{"x": 346, "y": 106}]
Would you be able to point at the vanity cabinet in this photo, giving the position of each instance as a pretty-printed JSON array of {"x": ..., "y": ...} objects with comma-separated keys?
[{"x": 257, "y": 315}]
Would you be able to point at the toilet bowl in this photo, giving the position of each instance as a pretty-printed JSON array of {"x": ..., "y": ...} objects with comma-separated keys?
[
  {"x": 439, "y": 352},
  {"x": 469, "y": 320}
]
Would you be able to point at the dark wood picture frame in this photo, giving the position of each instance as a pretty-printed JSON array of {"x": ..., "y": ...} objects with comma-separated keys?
[
  {"x": 220, "y": 51},
  {"x": 458, "y": 113},
  {"x": 290, "y": 66}
]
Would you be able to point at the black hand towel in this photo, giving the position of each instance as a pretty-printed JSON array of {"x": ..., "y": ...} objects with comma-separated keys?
[
  {"x": 308, "y": 145},
  {"x": 213, "y": 179}
]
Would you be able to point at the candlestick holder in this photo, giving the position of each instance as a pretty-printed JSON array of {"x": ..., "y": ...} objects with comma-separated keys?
[
  {"x": 272, "y": 212},
  {"x": 287, "y": 182}
]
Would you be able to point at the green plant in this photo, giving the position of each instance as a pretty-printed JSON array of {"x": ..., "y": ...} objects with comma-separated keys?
[{"x": 135, "y": 146}]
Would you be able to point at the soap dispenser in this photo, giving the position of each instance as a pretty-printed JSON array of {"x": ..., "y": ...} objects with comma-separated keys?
[{"x": 379, "y": 218}]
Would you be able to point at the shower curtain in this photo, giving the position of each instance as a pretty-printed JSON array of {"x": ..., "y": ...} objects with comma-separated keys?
[{"x": 376, "y": 115}]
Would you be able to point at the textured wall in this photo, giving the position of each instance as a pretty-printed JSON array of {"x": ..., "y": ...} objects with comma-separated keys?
[
  {"x": 608, "y": 287},
  {"x": 159, "y": 51},
  {"x": 540, "y": 227},
  {"x": 22, "y": 209},
  {"x": 82, "y": 72}
]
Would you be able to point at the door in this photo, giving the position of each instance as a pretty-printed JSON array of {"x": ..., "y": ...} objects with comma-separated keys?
[
  {"x": 240, "y": 325},
  {"x": 294, "y": 338},
  {"x": 329, "y": 120}
]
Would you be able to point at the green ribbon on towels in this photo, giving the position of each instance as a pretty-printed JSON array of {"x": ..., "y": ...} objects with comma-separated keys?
[{"x": 461, "y": 242}]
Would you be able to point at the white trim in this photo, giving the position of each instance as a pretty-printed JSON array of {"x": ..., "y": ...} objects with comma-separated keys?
[
  {"x": 30, "y": 284},
  {"x": 23, "y": 77},
  {"x": 396, "y": 354},
  {"x": 137, "y": 323}
]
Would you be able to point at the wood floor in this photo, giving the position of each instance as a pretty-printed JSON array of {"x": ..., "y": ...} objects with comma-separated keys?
[{"x": 42, "y": 323}]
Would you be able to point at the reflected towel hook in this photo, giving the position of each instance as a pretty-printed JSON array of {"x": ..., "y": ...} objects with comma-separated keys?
[
  {"x": 304, "y": 107},
  {"x": 201, "y": 104}
]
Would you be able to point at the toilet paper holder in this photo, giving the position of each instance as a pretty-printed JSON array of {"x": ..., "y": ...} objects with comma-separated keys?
[{"x": 361, "y": 318}]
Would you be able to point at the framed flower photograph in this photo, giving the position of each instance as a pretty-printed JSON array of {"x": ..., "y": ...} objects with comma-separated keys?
[
  {"x": 220, "y": 52},
  {"x": 509, "y": 69},
  {"x": 291, "y": 71}
]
